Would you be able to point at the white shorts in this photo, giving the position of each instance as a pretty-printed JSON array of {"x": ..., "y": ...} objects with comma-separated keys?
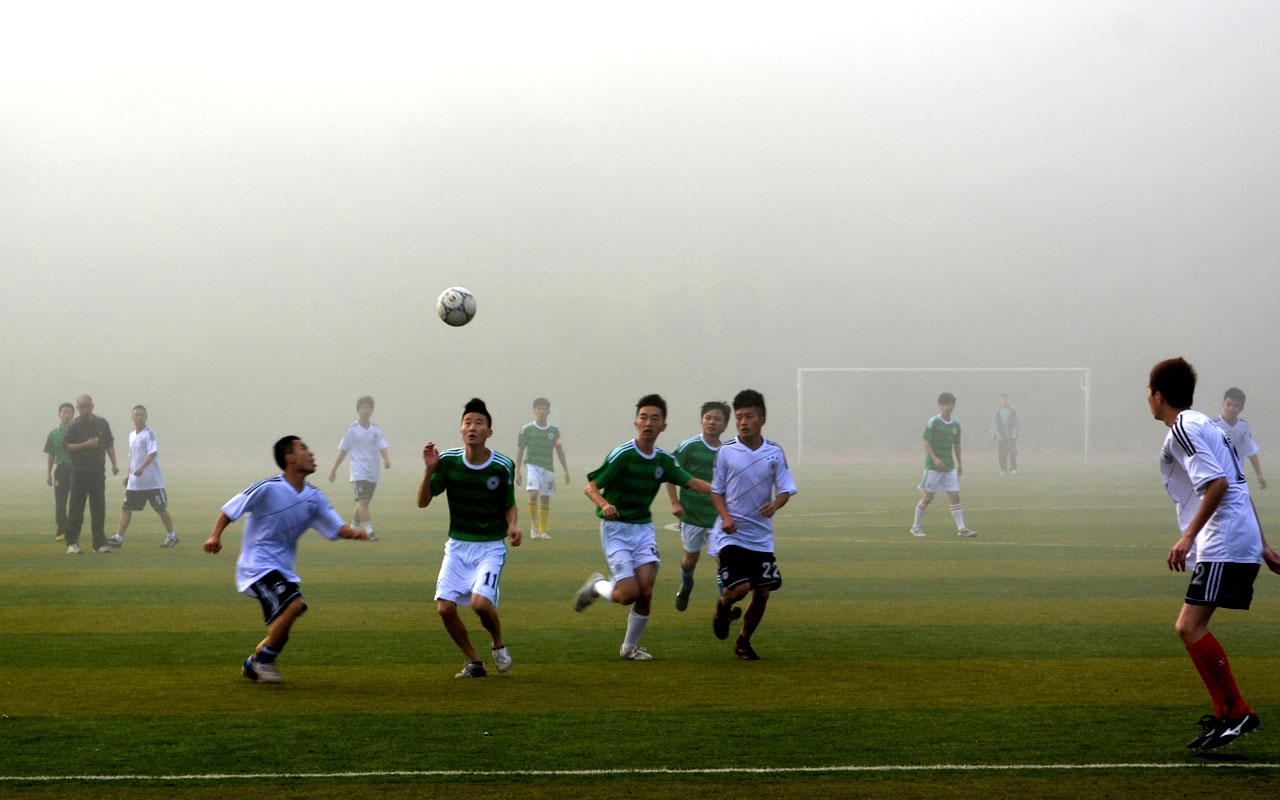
[
  {"x": 470, "y": 568},
  {"x": 694, "y": 537},
  {"x": 541, "y": 480},
  {"x": 628, "y": 545},
  {"x": 934, "y": 481}
]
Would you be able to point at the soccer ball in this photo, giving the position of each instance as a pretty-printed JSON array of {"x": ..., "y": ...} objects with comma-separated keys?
[{"x": 456, "y": 306}]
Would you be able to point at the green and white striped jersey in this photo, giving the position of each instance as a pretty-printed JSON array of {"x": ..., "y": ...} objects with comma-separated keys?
[
  {"x": 479, "y": 496},
  {"x": 629, "y": 479}
]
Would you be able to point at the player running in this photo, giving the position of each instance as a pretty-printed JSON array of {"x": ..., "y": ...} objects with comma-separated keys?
[
  {"x": 280, "y": 510},
  {"x": 697, "y": 514}
]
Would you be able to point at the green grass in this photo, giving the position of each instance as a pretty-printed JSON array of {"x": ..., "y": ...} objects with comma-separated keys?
[{"x": 1046, "y": 641}]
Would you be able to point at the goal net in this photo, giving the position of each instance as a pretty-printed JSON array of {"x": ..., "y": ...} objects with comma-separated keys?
[{"x": 851, "y": 413}]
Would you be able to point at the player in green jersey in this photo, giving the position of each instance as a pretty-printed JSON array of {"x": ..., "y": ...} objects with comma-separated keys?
[
  {"x": 697, "y": 454},
  {"x": 482, "y": 513},
  {"x": 623, "y": 488},
  {"x": 941, "y": 471},
  {"x": 540, "y": 440}
]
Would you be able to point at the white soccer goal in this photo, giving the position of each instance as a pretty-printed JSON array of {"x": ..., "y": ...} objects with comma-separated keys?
[{"x": 905, "y": 402}]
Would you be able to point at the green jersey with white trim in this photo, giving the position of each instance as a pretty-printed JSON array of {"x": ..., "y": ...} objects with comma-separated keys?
[
  {"x": 629, "y": 480},
  {"x": 479, "y": 496},
  {"x": 539, "y": 444},
  {"x": 942, "y": 435},
  {"x": 699, "y": 458}
]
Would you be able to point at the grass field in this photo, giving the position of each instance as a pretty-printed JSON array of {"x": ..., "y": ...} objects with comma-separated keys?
[{"x": 1038, "y": 660}]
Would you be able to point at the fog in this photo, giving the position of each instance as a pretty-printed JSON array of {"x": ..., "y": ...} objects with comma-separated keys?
[{"x": 240, "y": 216}]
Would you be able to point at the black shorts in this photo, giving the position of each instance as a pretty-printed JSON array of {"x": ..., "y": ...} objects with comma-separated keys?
[
  {"x": 275, "y": 593},
  {"x": 364, "y": 489},
  {"x": 137, "y": 499},
  {"x": 739, "y": 565},
  {"x": 1223, "y": 584}
]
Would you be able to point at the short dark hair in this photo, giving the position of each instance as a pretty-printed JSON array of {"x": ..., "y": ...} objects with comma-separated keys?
[
  {"x": 476, "y": 406},
  {"x": 283, "y": 447},
  {"x": 1175, "y": 380},
  {"x": 749, "y": 398},
  {"x": 1234, "y": 394},
  {"x": 716, "y": 405},
  {"x": 66, "y": 405},
  {"x": 654, "y": 400},
  {"x": 139, "y": 406},
  {"x": 364, "y": 401},
  {"x": 946, "y": 399},
  {"x": 541, "y": 401}
]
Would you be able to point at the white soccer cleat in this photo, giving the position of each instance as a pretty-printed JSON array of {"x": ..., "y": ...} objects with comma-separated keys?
[
  {"x": 917, "y": 532},
  {"x": 255, "y": 670},
  {"x": 966, "y": 532},
  {"x": 587, "y": 594},
  {"x": 635, "y": 653},
  {"x": 502, "y": 658},
  {"x": 73, "y": 549}
]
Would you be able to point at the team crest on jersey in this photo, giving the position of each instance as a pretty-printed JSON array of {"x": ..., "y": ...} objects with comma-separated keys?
[
  {"x": 493, "y": 482},
  {"x": 551, "y": 437},
  {"x": 657, "y": 473}
]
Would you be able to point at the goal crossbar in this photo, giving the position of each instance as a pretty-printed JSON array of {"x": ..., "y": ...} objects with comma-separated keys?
[{"x": 1086, "y": 374}]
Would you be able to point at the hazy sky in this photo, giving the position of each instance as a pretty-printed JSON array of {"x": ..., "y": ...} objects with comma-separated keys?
[{"x": 240, "y": 215}]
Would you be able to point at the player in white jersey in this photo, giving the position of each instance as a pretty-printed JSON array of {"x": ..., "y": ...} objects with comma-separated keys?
[
  {"x": 750, "y": 483},
  {"x": 366, "y": 445},
  {"x": 1238, "y": 431},
  {"x": 280, "y": 510},
  {"x": 1221, "y": 540},
  {"x": 143, "y": 484}
]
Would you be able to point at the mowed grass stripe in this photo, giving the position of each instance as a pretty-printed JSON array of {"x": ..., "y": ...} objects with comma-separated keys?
[
  {"x": 418, "y": 688},
  {"x": 234, "y": 612}
]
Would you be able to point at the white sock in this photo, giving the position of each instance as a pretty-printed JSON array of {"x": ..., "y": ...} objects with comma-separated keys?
[
  {"x": 957, "y": 513},
  {"x": 635, "y": 628},
  {"x": 919, "y": 515},
  {"x": 604, "y": 589}
]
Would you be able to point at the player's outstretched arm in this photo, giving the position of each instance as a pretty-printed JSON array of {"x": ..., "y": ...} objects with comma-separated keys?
[
  {"x": 214, "y": 543},
  {"x": 699, "y": 485},
  {"x": 348, "y": 532},
  {"x": 431, "y": 459}
]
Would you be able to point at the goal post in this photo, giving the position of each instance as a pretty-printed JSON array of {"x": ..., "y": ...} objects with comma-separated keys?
[{"x": 1084, "y": 375}]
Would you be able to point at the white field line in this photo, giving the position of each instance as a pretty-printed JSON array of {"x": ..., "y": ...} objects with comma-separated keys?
[{"x": 588, "y": 773}]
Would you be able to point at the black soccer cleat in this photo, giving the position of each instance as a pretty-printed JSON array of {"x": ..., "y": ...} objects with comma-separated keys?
[
  {"x": 742, "y": 649},
  {"x": 1207, "y": 724},
  {"x": 1229, "y": 729},
  {"x": 720, "y": 622}
]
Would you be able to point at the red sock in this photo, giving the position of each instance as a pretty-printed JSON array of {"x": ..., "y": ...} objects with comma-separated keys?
[{"x": 1211, "y": 662}]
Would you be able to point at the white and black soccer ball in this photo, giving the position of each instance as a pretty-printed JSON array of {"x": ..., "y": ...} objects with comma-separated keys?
[{"x": 456, "y": 306}]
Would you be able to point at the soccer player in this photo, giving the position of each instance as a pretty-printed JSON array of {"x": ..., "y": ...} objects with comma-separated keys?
[
  {"x": 941, "y": 471},
  {"x": 366, "y": 444},
  {"x": 540, "y": 438},
  {"x": 482, "y": 512},
  {"x": 280, "y": 509},
  {"x": 697, "y": 455},
  {"x": 751, "y": 483},
  {"x": 58, "y": 474},
  {"x": 623, "y": 488},
  {"x": 1238, "y": 431},
  {"x": 1221, "y": 541},
  {"x": 143, "y": 484}
]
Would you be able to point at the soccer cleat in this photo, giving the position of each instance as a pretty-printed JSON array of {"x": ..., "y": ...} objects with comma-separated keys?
[
  {"x": 254, "y": 670},
  {"x": 587, "y": 594},
  {"x": 917, "y": 532},
  {"x": 1207, "y": 724},
  {"x": 372, "y": 537},
  {"x": 73, "y": 549},
  {"x": 102, "y": 551},
  {"x": 472, "y": 669},
  {"x": 720, "y": 622},
  {"x": 634, "y": 653},
  {"x": 58, "y": 537},
  {"x": 170, "y": 540},
  {"x": 682, "y": 597},
  {"x": 545, "y": 536},
  {"x": 742, "y": 649},
  {"x": 966, "y": 532},
  {"x": 502, "y": 658},
  {"x": 116, "y": 541},
  {"x": 1229, "y": 729}
]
